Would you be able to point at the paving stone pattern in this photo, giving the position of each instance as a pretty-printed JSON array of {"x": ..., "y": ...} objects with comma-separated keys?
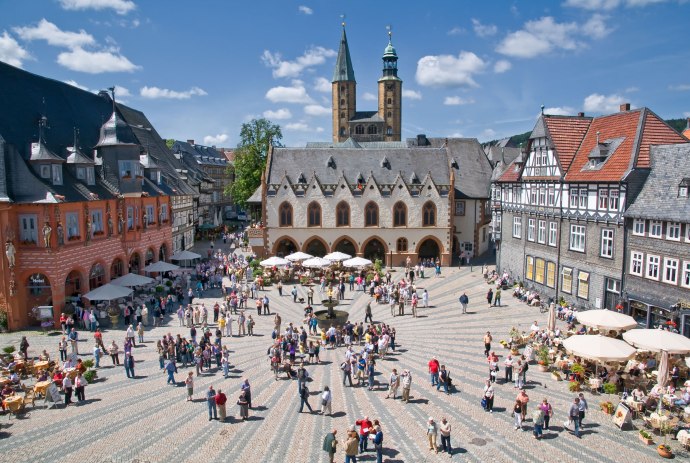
[{"x": 144, "y": 420}]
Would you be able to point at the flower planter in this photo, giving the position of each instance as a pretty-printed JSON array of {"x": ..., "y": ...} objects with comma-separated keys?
[
  {"x": 556, "y": 377},
  {"x": 664, "y": 452},
  {"x": 645, "y": 440}
]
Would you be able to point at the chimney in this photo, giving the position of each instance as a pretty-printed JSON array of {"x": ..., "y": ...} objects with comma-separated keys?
[
  {"x": 580, "y": 114},
  {"x": 625, "y": 107},
  {"x": 191, "y": 142},
  {"x": 688, "y": 124}
]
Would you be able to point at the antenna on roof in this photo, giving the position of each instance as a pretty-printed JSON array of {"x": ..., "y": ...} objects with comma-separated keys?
[{"x": 542, "y": 110}]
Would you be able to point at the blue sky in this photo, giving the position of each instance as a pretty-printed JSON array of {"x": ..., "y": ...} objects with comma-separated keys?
[{"x": 198, "y": 69}]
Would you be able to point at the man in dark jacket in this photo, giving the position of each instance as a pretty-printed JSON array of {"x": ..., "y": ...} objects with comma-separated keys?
[
  {"x": 464, "y": 300},
  {"x": 329, "y": 445},
  {"x": 304, "y": 398}
]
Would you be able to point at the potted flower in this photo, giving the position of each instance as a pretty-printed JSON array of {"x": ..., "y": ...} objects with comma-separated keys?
[
  {"x": 90, "y": 375},
  {"x": 664, "y": 451},
  {"x": 574, "y": 386},
  {"x": 504, "y": 343},
  {"x": 543, "y": 358},
  {"x": 645, "y": 437},
  {"x": 556, "y": 376},
  {"x": 606, "y": 407},
  {"x": 610, "y": 388},
  {"x": 114, "y": 314},
  {"x": 578, "y": 371}
]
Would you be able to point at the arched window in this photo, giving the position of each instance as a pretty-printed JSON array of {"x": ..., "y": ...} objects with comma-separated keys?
[
  {"x": 314, "y": 215},
  {"x": 285, "y": 212},
  {"x": 342, "y": 131},
  {"x": 96, "y": 276},
  {"x": 342, "y": 115},
  {"x": 390, "y": 114},
  {"x": 399, "y": 214},
  {"x": 389, "y": 131},
  {"x": 371, "y": 130},
  {"x": 342, "y": 215},
  {"x": 401, "y": 245},
  {"x": 359, "y": 130},
  {"x": 371, "y": 215},
  {"x": 342, "y": 88},
  {"x": 389, "y": 101},
  {"x": 429, "y": 215},
  {"x": 342, "y": 102}
]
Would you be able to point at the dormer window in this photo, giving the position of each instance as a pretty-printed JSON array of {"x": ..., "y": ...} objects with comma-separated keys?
[
  {"x": 81, "y": 173},
  {"x": 44, "y": 170},
  {"x": 90, "y": 176},
  {"x": 57, "y": 174},
  {"x": 683, "y": 188}
]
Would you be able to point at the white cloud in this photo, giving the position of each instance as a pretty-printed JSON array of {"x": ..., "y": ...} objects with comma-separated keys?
[
  {"x": 596, "y": 103},
  {"x": 686, "y": 114},
  {"x": 119, "y": 6},
  {"x": 457, "y": 101},
  {"x": 411, "y": 94},
  {"x": 317, "y": 110},
  {"x": 305, "y": 9},
  {"x": 11, "y": 52},
  {"x": 282, "y": 68},
  {"x": 679, "y": 87},
  {"x": 487, "y": 133},
  {"x": 483, "y": 30},
  {"x": 502, "y": 66},
  {"x": 456, "y": 31},
  {"x": 280, "y": 114},
  {"x": 74, "y": 83},
  {"x": 595, "y": 27},
  {"x": 559, "y": 111},
  {"x": 215, "y": 140},
  {"x": 95, "y": 62},
  {"x": 456, "y": 135},
  {"x": 45, "y": 30},
  {"x": 302, "y": 126},
  {"x": 321, "y": 84},
  {"x": 448, "y": 70},
  {"x": 368, "y": 96},
  {"x": 609, "y": 4},
  {"x": 538, "y": 37},
  {"x": 121, "y": 92},
  {"x": 294, "y": 94},
  {"x": 156, "y": 92}
]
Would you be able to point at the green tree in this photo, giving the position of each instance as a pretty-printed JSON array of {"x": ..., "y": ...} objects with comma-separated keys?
[{"x": 256, "y": 136}]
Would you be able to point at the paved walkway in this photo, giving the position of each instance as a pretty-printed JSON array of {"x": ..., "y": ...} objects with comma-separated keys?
[{"x": 145, "y": 420}]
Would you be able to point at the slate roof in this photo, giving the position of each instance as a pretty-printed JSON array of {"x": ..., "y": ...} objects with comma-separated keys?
[
  {"x": 473, "y": 174},
  {"x": 366, "y": 116},
  {"x": 255, "y": 198},
  {"x": 343, "y": 63},
  {"x": 658, "y": 200}
]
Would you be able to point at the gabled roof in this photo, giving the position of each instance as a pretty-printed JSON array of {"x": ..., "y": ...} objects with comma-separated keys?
[
  {"x": 566, "y": 134},
  {"x": 473, "y": 174},
  {"x": 512, "y": 172},
  {"x": 343, "y": 64},
  {"x": 366, "y": 116},
  {"x": 659, "y": 199},
  {"x": 77, "y": 157},
  {"x": 638, "y": 129}
]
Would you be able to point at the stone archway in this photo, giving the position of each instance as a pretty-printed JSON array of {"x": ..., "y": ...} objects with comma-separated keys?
[
  {"x": 73, "y": 284},
  {"x": 346, "y": 245},
  {"x": 117, "y": 268},
  {"x": 429, "y": 248},
  {"x": 316, "y": 247},
  {"x": 284, "y": 247},
  {"x": 374, "y": 249},
  {"x": 96, "y": 276}
]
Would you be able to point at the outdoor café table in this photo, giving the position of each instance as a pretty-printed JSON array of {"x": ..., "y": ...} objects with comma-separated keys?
[
  {"x": 41, "y": 386},
  {"x": 42, "y": 365},
  {"x": 14, "y": 402},
  {"x": 71, "y": 372}
]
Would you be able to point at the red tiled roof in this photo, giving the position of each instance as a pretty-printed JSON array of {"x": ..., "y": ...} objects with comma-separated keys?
[
  {"x": 656, "y": 132},
  {"x": 686, "y": 133},
  {"x": 566, "y": 133},
  {"x": 511, "y": 174}
]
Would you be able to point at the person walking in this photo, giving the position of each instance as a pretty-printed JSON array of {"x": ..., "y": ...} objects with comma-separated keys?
[
  {"x": 443, "y": 380},
  {"x": 140, "y": 333},
  {"x": 583, "y": 408},
  {"x": 490, "y": 296},
  {"x": 189, "y": 382},
  {"x": 378, "y": 443},
  {"x": 406, "y": 382},
  {"x": 97, "y": 355},
  {"x": 433, "y": 370},
  {"x": 330, "y": 445},
  {"x": 79, "y": 385},
  {"x": 294, "y": 293},
  {"x": 346, "y": 367},
  {"x": 129, "y": 365},
  {"x": 425, "y": 298},
  {"x": 545, "y": 407},
  {"x": 497, "y": 298},
  {"x": 211, "y": 401},
  {"x": 523, "y": 398},
  {"x": 304, "y": 398},
  {"x": 221, "y": 399},
  {"x": 538, "y": 420},
  {"x": 171, "y": 369},
  {"x": 517, "y": 414},
  {"x": 444, "y": 429},
  {"x": 431, "y": 434},
  {"x": 351, "y": 446},
  {"x": 73, "y": 337},
  {"x": 574, "y": 415},
  {"x": 464, "y": 300},
  {"x": 487, "y": 343},
  {"x": 326, "y": 401},
  {"x": 488, "y": 397},
  {"x": 393, "y": 384},
  {"x": 368, "y": 315},
  {"x": 301, "y": 376}
]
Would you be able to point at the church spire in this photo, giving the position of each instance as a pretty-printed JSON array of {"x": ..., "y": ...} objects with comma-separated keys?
[{"x": 343, "y": 65}]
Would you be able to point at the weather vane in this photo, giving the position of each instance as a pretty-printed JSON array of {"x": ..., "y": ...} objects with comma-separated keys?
[{"x": 342, "y": 16}]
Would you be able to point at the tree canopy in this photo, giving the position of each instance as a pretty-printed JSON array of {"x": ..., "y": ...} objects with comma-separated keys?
[{"x": 256, "y": 136}]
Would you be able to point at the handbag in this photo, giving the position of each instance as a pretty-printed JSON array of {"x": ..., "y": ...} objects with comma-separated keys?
[
  {"x": 324, "y": 402},
  {"x": 483, "y": 402}
]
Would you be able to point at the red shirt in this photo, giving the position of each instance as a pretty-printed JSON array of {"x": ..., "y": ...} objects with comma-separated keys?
[
  {"x": 433, "y": 366},
  {"x": 221, "y": 399},
  {"x": 364, "y": 426}
]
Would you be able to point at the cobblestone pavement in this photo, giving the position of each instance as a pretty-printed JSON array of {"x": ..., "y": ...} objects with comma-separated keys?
[{"x": 145, "y": 420}]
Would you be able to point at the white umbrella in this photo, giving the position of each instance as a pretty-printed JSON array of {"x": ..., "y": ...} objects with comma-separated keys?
[
  {"x": 132, "y": 279},
  {"x": 600, "y": 348},
  {"x": 658, "y": 340},
  {"x": 606, "y": 320},
  {"x": 357, "y": 262},
  {"x": 663, "y": 371},
  {"x": 274, "y": 262},
  {"x": 108, "y": 292},
  {"x": 316, "y": 262},
  {"x": 185, "y": 255},
  {"x": 337, "y": 256},
  {"x": 551, "y": 326},
  {"x": 299, "y": 255},
  {"x": 161, "y": 266}
]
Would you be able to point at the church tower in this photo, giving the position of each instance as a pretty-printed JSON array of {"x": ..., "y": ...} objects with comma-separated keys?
[
  {"x": 344, "y": 92},
  {"x": 390, "y": 94}
]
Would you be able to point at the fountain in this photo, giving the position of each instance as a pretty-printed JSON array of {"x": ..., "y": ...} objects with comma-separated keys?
[{"x": 330, "y": 316}]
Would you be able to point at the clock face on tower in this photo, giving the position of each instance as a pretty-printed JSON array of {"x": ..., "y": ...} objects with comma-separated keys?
[{"x": 390, "y": 86}]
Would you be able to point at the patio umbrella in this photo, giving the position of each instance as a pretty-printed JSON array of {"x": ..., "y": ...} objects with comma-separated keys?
[
  {"x": 132, "y": 279},
  {"x": 599, "y": 348},
  {"x": 160, "y": 266},
  {"x": 606, "y": 320},
  {"x": 658, "y": 340},
  {"x": 108, "y": 292},
  {"x": 274, "y": 262},
  {"x": 357, "y": 262},
  {"x": 185, "y": 255},
  {"x": 551, "y": 326},
  {"x": 316, "y": 262},
  {"x": 337, "y": 256},
  {"x": 297, "y": 256},
  {"x": 662, "y": 372}
]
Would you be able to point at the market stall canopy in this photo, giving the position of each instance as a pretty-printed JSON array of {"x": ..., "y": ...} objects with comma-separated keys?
[
  {"x": 161, "y": 266},
  {"x": 185, "y": 255},
  {"x": 132, "y": 279},
  {"x": 316, "y": 262},
  {"x": 336, "y": 256},
  {"x": 357, "y": 262},
  {"x": 299, "y": 255},
  {"x": 606, "y": 320},
  {"x": 274, "y": 262},
  {"x": 599, "y": 348},
  {"x": 658, "y": 340},
  {"x": 108, "y": 292}
]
